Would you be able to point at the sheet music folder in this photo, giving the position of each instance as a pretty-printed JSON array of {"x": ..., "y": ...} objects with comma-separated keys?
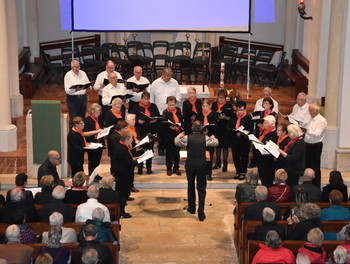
[{"x": 81, "y": 86}]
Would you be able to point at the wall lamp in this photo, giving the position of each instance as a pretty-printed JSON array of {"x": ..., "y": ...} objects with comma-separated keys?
[{"x": 301, "y": 9}]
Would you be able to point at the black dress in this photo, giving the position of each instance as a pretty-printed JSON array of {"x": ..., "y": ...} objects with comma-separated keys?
[
  {"x": 76, "y": 146},
  {"x": 221, "y": 132},
  {"x": 280, "y": 162},
  {"x": 295, "y": 162},
  {"x": 188, "y": 114}
]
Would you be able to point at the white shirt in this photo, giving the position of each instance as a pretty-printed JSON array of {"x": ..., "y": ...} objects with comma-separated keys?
[
  {"x": 259, "y": 107},
  {"x": 316, "y": 129},
  {"x": 100, "y": 78},
  {"x": 71, "y": 79},
  {"x": 84, "y": 211},
  {"x": 109, "y": 91},
  {"x": 137, "y": 95},
  {"x": 68, "y": 235},
  {"x": 301, "y": 114},
  {"x": 160, "y": 90}
]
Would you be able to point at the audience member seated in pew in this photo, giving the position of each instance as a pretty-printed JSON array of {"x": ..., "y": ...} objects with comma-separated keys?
[
  {"x": 57, "y": 205},
  {"x": 105, "y": 233},
  {"x": 27, "y": 234},
  {"x": 335, "y": 212},
  {"x": 301, "y": 197},
  {"x": 254, "y": 211},
  {"x": 104, "y": 254},
  {"x": 47, "y": 184},
  {"x": 336, "y": 182},
  {"x": 302, "y": 259},
  {"x": 347, "y": 239},
  {"x": 84, "y": 210},
  {"x": 313, "y": 247},
  {"x": 313, "y": 190},
  {"x": 17, "y": 203},
  {"x": 43, "y": 258},
  {"x": 280, "y": 191},
  {"x": 107, "y": 194},
  {"x": 68, "y": 234},
  {"x": 268, "y": 223},
  {"x": 78, "y": 193},
  {"x": 90, "y": 256},
  {"x": 21, "y": 183},
  {"x": 273, "y": 252},
  {"x": 340, "y": 255},
  {"x": 60, "y": 254},
  {"x": 311, "y": 213}
]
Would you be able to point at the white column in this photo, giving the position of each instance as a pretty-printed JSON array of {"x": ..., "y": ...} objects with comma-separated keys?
[
  {"x": 33, "y": 28},
  {"x": 12, "y": 41},
  {"x": 290, "y": 27},
  {"x": 8, "y": 132}
]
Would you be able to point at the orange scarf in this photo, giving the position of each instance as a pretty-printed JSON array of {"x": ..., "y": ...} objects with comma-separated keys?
[
  {"x": 175, "y": 118},
  {"x": 121, "y": 142},
  {"x": 290, "y": 143},
  {"x": 97, "y": 125},
  {"x": 220, "y": 106},
  {"x": 238, "y": 123},
  {"x": 193, "y": 103},
  {"x": 279, "y": 140},
  {"x": 264, "y": 132},
  {"x": 266, "y": 113},
  {"x": 116, "y": 114},
  {"x": 147, "y": 112},
  {"x": 81, "y": 133},
  {"x": 133, "y": 132},
  {"x": 205, "y": 121}
]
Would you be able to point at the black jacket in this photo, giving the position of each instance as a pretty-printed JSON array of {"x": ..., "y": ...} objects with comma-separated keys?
[{"x": 104, "y": 254}]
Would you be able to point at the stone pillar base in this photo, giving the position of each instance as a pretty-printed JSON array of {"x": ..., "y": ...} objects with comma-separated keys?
[
  {"x": 16, "y": 105},
  {"x": 342, "y": 159},
  {"x": 8, "y": 138},
  {"x": 329, "y": 146}
]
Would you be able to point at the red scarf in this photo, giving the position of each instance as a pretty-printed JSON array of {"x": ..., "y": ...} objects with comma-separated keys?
[
  {"x": 133, "y": 132},
  {"x": 238, "y": 123},
  {"x": 116, "y": 114},
  {"x": 290, "y": 143},
  {"x": 175, "y": 118},
  {"x": 121, "y": 142},
  {"x": 268, "y": 112},
  {"x": 81, "y": 133},
  {"x": 220, "y": 106},
  {"x": 147, "y": 112},
  {"x": 97, "y": 125},
  {"x": 193, "y": 103},
  {"x": 279, "y": 140},
  {"x": 205, "y": 121},
  {"x": 263, "y": 133}
]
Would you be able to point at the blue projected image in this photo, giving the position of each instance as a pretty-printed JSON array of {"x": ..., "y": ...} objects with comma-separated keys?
[{"x": 264, "y": 11}]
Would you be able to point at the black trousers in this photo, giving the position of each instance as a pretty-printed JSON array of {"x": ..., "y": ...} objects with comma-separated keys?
[
  {"x": 240, "y": 152},
  {"x": 196, "y": 170},
  {"x": 313, "y": 160},
  {"x": 94, "y": 157},
  {"x": 76, "y": 105},
  {"x": 266, "y": 169},
  {"x": 172, "y": 155}
]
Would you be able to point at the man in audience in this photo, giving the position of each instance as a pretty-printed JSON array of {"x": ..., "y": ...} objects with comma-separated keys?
[
  {"x": 313, "y": 191},
  {"x": 14, "y": 251},
  {"x": 68, "y": 234},
  {"x": 268, "y": 223},
  {"x": 104, "y": 254},
  {"x": 17, "y": 203},
  {"x": 135, "y": 80},
  {"x": 314, "y": 135},
  {"x": 84, "y": 210},
  {"x": 254, "y": 211},
  {"x": 57, "y": 205},
  {"x": 301, "y": 110},
  {"x": 49, "y": 167},
  {"x": 341, "y": 255},
  {"x": 259, "y": 104},
  {"x": 76, "y": 98},
  {"x": 21, "y": 182},
  {"x": 90, "y": 256}
]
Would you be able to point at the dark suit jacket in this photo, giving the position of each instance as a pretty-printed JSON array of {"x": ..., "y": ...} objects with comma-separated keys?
[
  {"x": 104, "y": 254},
  {"x": 48, "y": 169},
  {"x": 27, "y": 208},
  {"x": 57, "y": 206},
  {"x": 254, "y": 211},
  {"x": 314, "y": 191},
  {"x": 75, "y": 149}
]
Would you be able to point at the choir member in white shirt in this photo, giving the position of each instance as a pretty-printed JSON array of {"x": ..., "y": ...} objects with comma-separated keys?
[
  {"x": 301, "y": 110},
  {"x": 135, "y": 80},
  {"x": 112, "y": 89}
]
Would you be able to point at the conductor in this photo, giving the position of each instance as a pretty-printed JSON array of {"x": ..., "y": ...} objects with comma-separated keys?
[{"x": 196, "y": 165}]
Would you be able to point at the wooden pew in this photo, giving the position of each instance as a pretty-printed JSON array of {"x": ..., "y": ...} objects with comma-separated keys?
[
  {"x": 293, "y": 245},
  {"x": 293, "y": 73},
  {"x": 112, "y": 246},
  {"x": 249, "y": 227},
  {"x": 31, "y": 74}
]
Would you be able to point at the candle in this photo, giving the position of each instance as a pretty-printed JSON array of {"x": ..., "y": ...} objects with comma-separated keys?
[
  {"x": 197, "y": 35},
  {"x": 222, "y": 74},
  {"x": 124, "y": 34}
]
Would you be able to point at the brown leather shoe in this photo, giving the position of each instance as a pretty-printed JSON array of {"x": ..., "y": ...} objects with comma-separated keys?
[
  {"x": 169, "y": 172},
  {"x": 177, "y": 172}
]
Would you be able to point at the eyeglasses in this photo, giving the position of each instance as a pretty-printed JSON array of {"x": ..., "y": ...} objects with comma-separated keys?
[{"x": 56, "y": 158}]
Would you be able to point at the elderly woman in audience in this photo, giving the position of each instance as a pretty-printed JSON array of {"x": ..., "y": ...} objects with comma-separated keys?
[
  {"x": 77, "y": 194},
  {"x": 268, "y": 223},
  {"x": 47, "y": 184},
  {"x": 340, "y": 255},
  {"x": 280, "y": 191},
  {"x": 335, "y": 183},
  {"x": 311, "y": 213},
  {"x": 68, "y": 234},
  {"x": 107, "y": 194},
  {"x": 313, "y": 247},
  {"x": 105, "y": 232},
  {"x": 344, "y": 234},
  {"x": 60, "y": 254},
  {"x": 301, "y": 197},
  {"x": 302, "y": 259},
  {"x": 273, "y": 252},
  {"x": 27, "y": 234},
  {"x": 44, "y": 258}
]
